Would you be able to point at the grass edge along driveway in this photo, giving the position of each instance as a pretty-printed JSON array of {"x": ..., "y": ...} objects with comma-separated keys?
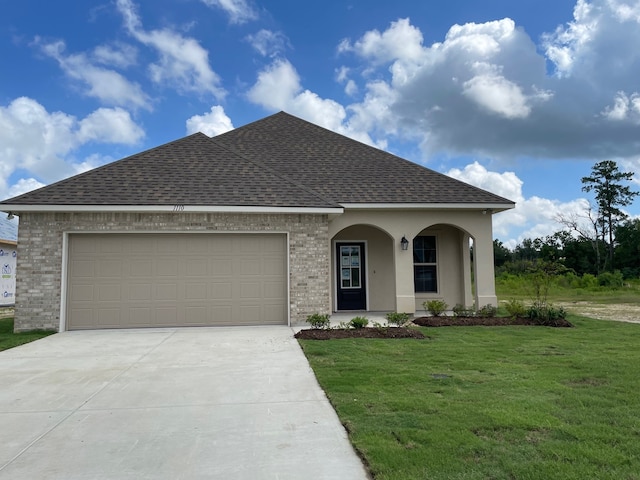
[
  {"x": 8, "y": 339},
  {"x": 496, "y": 402}
]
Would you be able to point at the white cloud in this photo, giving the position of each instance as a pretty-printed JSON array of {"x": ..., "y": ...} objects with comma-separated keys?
[
  {"x": 109, "y": 125},
  {"x": 213, "y": 123},
  {"x": 24, "y": 185},
  {"x": 401, "y": 41},
  {"x": 119, "y": 55},
  {"x": 350, "y": 86},
  {"x": 268, "y": 43},
  {"x": 183, "y": 62},
  {"x": 239, "y": 11},
  {"x": 624, "y": 108},
  {"x": 486, "y": 89},
  {"x": 498, "y": 95},
  {"x": 278, "y": 88},
  {"x": 40, "y": 143},
  {"x": 531, "y": 218},
  {"x": 107, "y": 85}
]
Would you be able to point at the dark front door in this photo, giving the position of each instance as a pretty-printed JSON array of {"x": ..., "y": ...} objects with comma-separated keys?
[{"x": 351, "y": 292}]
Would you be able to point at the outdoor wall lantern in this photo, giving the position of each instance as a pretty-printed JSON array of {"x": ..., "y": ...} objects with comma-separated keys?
[{"x": 404, "y": 243}]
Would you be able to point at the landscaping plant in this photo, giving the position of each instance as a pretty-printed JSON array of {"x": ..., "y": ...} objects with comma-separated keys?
[
  {"x": 398, "y": 319},
  {"x": 319, "y": 321},
  {"x": 461, "y": 311},
  {"x": 435, "y": 307},
  {"x": 358, "y": 322}
]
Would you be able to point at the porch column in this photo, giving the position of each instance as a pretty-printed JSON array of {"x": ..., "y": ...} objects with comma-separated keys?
[
  {"x": 405, "y": 292},
  {"x": 484, "y": 273},
  {"x": 465, "y": 254}
]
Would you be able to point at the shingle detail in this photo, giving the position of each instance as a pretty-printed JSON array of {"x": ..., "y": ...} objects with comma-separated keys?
[{"x": 279, "y": 161}]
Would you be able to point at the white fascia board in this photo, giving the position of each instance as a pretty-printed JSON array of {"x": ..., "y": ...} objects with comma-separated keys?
[
  {"x": 495, "y": 207},
  {"x": 169, "y": 209}
]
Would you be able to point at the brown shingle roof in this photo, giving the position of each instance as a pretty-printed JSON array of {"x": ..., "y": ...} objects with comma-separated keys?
[{"x": 279, "y": 161}]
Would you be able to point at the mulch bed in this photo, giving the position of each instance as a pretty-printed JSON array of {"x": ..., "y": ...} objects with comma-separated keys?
[
  {"x": 483, "y": 321},
  {"x": 405, "y": 332},
  {"x": 384, "y": 332}
]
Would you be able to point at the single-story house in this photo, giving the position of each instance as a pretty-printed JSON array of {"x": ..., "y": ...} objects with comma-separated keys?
[{"x": 264, "y": 224}]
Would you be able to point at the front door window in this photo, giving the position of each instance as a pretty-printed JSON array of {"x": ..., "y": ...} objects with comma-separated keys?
[{"x": 350, "y": 265}]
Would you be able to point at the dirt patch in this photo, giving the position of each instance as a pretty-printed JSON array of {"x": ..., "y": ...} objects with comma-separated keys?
[
  {"x": 483, "y": 321},
  {"x": 384, "y": 332},
  {"x": 621, "y": 312}
]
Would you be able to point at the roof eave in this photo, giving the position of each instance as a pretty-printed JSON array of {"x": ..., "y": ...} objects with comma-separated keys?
[
  {"x": 488, "y": 206},
  {"x": 17, "y": 209}
]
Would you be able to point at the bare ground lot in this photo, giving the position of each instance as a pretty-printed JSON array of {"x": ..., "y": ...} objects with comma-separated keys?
[{"x": 622, "y": 312}]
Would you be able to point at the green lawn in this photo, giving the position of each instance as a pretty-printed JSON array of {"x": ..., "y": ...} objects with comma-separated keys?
[
  {"x": 491, "y": 402},
  {"x": 8, "y": 339}
]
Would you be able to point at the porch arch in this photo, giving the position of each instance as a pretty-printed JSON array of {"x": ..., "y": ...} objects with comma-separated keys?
[{"x": 379, "y": 265}]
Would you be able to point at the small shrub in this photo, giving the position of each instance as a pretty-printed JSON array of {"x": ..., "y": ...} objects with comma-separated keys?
[
  {"x": 611, "y": 279},
  {"x": 588, "y": 281},
  {"x": 398, "y": 319},
  {"x": 358, "y": 322},
  {"x": 319, "y": 321},
  {"x": 435, "y": 307},
  {"x": 488, "y": 311},
  {"x": 546, "y": 314},
  {"x": 515, "y": 308},
  {"x": 461, "y": 311},
  {"x": 342, "y": 326}
]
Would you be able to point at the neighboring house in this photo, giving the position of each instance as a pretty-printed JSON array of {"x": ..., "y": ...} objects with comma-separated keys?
[
  {"x": 8, "y": 257},
  {"x": 265, "y": 224}
]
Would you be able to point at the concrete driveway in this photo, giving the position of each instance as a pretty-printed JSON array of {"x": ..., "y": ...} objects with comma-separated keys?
[{"x": 190, "y": 403}]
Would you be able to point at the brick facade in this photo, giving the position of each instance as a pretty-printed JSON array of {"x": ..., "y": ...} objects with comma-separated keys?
[{"x": 40, "y": 258}]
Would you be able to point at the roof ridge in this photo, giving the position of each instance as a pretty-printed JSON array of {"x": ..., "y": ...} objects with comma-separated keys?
[{"x": 273, "y": 171}]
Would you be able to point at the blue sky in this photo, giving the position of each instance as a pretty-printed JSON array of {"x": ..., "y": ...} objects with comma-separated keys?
[{"x": 517, "y": 97}]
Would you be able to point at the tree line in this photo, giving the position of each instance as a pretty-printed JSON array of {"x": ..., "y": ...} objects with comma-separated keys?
[{"x": 598, "y": 240}]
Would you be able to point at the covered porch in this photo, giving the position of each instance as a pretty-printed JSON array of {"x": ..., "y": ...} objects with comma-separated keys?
[{"x": 384, "y": 260}]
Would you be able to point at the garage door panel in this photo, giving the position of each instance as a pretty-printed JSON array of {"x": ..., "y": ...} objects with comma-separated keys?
[
  {"x": 141, "y": 268},
  {"x": 82, "y": 268},
  {"x": 274, "y": 290},
  {"x": 109, "y": 293},
  {"x": 137, "y": 317},
  {"x": 273, "y": 314},
  {"x": 196, "y": 291},
  {"x": 220, "y": 266},
  {"x": 140, "y": 291},
  {"x": 81, "y": 293},
  {"x": 166, "y": 316},
  {"x": 108, "y": 317},
  {"x": 108, "y": 268},
  {"x": 142, "y": 280},
  {"x": 195, "y": 267},
  {"x": 250, "y": 267},
  {"x": 167, "y": 267},
  {"x": 167, "y": 291},
  {"x": 221, "y": 291}
]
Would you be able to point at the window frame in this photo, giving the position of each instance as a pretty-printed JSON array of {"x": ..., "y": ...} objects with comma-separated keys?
[{"x": 433, "y": 265}]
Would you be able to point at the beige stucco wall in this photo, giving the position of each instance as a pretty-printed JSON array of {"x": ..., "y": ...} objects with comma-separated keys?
[{"x": 453, "y": 227}]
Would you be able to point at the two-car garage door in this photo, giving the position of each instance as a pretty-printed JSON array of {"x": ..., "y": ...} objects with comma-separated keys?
[{"x": 162, "y": 280}]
